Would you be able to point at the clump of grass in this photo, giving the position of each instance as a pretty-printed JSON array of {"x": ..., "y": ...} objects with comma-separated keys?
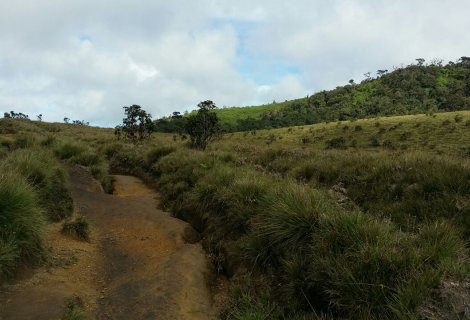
[
  {"x": 446, "y": 122},
  {"x": 78, "y": 228},
  {"x": 74, "y": 309},
  {"x": 336, "y": 143},
  {"x": 158, "y": 152},
  {"x": 24, "y": 140},
  {"x": 22, "y": 223},
  {"x": 363, "y": 267},
  {"x": 86, "y": 158},
  {"x": 388, "y": 144},
  {"x": 49, "y": 179},
  {"x": 67, "y": 149},
  {"x": 458, "y": 118},
  {"x": 405, "y": 136},
  {"x": 48, "y": 141},
  {"x": 100, "y": 173},
  {"x": 375, "y": 142},
  {"x": 410, "y": 189}
]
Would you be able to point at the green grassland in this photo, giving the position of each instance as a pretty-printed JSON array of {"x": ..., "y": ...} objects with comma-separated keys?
[
  {"x": 360, "y": 219},
  {"x": 231, "y": 115}
]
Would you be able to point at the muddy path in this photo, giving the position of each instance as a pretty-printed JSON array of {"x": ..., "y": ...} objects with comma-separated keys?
[{"x": 141, "y": 263}]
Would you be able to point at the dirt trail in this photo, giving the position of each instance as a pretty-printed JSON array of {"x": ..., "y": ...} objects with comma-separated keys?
[{"x": 141, "y": 262}]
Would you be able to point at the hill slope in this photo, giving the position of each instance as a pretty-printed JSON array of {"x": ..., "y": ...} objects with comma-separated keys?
[{"x": 409, "y": 90}]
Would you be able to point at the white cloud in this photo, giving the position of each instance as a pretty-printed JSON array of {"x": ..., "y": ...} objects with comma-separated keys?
[{"x": 86, "y": 59}]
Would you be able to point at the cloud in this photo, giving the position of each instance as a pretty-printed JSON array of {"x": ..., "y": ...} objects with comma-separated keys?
[{"x": 86, "y": 59}]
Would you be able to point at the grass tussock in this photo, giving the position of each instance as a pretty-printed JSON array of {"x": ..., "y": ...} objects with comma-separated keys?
[
  {"x": 78, "y": 228},
  {"x": 22, "y": 223},
  {"x": 48, "y": 178},
  {"x": 74, "y": 309}
]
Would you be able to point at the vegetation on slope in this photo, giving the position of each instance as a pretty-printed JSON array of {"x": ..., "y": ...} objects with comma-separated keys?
[
  {"x": 356, "y": 219},
  {"x": 414, "y": 89},
  {"x": 363, "y": 219},
  {"x": 34, "y": 188}
]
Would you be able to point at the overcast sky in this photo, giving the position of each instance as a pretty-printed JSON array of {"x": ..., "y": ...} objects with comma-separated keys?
[{"x": 86, "y": 59}]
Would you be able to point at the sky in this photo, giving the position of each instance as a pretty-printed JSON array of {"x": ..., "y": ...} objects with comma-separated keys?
[{"x": 86, "y": 59}]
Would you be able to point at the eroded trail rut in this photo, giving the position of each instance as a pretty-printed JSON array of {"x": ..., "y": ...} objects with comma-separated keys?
[{"x": 148, "y": 265}]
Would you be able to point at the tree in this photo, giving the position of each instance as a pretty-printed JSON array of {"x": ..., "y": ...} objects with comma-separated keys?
[
  {"x": 420, "y": 61},
  {"x": 6, "y": 115},
  {"x": 39, "y": 116},
  {"x": 137, "y": 125},
  {"x": 66, "y": 120},
  {"x": 204, "y": 126},
  {"x": 18, "y": 115},
  {"x": 381, "y": 72}
]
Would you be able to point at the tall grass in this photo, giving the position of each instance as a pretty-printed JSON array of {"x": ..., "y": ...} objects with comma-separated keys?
[
  {"x": 22, "y": 222},
  {"x": 359, "y": 232},
  {"x": 46, "y": 175}
]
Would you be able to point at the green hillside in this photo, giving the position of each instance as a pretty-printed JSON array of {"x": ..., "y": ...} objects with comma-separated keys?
[
  {"x": 417, "y": 88},
  {"x": 231, "y": 115}
]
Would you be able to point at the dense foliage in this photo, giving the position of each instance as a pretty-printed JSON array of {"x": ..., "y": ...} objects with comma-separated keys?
[
  {"x": 137, "y": 124},
  {"x": 203, "y": 127}
]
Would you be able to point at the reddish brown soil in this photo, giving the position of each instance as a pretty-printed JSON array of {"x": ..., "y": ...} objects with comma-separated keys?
[{"x": 140, "y": 263}]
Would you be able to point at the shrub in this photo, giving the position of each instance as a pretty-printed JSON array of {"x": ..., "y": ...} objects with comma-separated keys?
[
  {"x": 336, "y": 143},
  {"x": 388, "y": 144},
  {"x": 375, "y": 142},
  {"x": 203, "y": 127},
  {"x": 405, "y": 136},
  {"x": 458, "y": 118},
  {"x": 358, "y": 128}
]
